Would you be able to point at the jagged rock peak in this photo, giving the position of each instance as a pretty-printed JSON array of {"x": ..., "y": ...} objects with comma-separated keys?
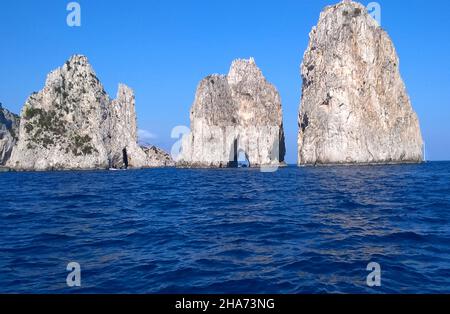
[
  {"x": 239, "y": 112},
  {"x": 77, "y": 67},
  {"x": 124, "y": 93},
  {"x": 78, "y": 62},
  {"x": 244, "y": 70},
  {"x": 355, "y": 108},
  {"x": 344, "y": 11}
]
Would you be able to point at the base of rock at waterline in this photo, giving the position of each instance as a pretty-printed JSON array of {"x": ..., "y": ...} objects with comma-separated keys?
[
  {"x": 224, "y": 165},
  {"x": 351, "y": 164},
  {"x": 6, "y": 169}
]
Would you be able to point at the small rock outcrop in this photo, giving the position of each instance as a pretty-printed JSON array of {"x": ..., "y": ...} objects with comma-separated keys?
[
  {"x": 9, "y": 128},
  {"x": 73, "y": 124},
  {"x": 355, "y": 108},
  {"x": 158, "y": 157},
  {"x": 235, "y": 114}
]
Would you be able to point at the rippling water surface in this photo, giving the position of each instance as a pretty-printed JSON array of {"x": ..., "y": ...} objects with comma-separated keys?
[{"x": 298, "y": 230}]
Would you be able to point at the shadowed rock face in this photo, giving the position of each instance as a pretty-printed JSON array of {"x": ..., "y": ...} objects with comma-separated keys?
[
  {"x": 355, "y": 108},
  {"x": 239, "y": 112},
  {"x": 9, "y": 128},
  {"x": 73, "y": 124}
]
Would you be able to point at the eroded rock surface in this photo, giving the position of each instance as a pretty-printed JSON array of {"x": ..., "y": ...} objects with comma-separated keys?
[
  {"x": 355, "y": 108},
  {"x": 238, "y": 113}
]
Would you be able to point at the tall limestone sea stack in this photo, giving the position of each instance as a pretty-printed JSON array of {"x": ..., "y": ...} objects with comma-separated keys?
[
  {"x": 9, "y": 128},
  {"x": 235, "y": 114},
  {"x": 355, "y": 108},
  {"x": 73, "y": 124}
]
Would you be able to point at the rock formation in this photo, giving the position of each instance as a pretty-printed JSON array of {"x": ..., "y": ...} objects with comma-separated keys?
[
  {"x": 9, "y": 128},
  {"x": 123, "y": 130},
  {"x": 355, "y": 108},
  {"x": 73, "y": 124},
  {"x": 156, "y": 156},
  {"x": 239, "y": 113}
]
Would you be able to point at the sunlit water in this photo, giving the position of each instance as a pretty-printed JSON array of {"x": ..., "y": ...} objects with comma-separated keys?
[{"x": 298, "y": 230}]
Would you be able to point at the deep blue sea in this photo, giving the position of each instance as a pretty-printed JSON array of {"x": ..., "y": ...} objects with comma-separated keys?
[{"x": 298, "y": 230}]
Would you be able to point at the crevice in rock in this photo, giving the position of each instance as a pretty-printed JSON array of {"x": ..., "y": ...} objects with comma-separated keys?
[
  {"x": 305, "y": 122},
  {"x": 125, "y": 158}
]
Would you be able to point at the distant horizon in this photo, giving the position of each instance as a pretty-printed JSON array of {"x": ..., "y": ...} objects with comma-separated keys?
[{"x": 163, "y": 49}]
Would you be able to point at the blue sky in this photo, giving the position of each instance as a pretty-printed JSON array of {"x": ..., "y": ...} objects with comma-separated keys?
[{"x": 162, "y": 49}]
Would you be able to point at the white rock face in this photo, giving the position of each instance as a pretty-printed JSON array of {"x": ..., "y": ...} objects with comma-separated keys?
[
  {"x": 9, "y": 127},
  {"x": 355, "y": 108},
  {"x": 73, "y": 124},
  {"x": 235, "y": 114},
  {"x": 123, "y": 131}
]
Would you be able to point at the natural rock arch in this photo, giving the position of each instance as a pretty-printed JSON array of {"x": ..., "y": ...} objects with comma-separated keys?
[{"x": 241, "y": 106}]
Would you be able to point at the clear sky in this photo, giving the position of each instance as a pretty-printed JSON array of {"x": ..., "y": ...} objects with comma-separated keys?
[{"x": 162, "y": 49}]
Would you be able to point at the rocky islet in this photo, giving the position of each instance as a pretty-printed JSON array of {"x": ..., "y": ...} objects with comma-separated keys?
[
  {"x": 354, "y": 107},
  {"x": 72, "y": 124},
  {"x": 237, "y": 113}
]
